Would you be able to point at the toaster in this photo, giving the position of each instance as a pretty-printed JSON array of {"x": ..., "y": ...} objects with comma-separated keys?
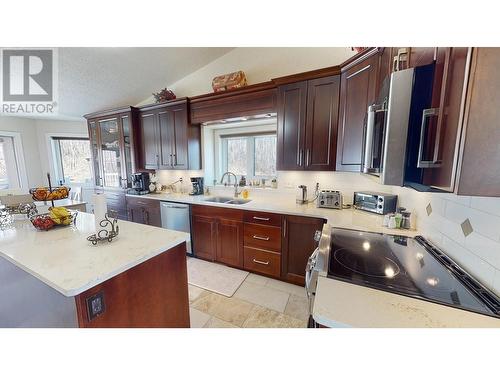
[{"x": 329, "y": 199}]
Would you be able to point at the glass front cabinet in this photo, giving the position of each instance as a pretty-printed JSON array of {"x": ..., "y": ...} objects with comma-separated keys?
[{"x": 114, "y": 141}]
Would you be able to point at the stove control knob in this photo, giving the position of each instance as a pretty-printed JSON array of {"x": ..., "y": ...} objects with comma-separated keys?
[{"x": 380, "y": 206}]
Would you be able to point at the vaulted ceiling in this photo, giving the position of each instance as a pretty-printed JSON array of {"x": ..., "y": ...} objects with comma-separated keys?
[{"x": 92, "y": 79}]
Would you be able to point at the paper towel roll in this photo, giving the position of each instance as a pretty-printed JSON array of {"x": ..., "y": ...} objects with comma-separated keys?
[{"x": 100, "y": 209}]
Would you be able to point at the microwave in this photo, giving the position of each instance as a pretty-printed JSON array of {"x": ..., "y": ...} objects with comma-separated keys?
[
  {"x": 401, "y": 135},
  {"x": 378, "y": 203}
]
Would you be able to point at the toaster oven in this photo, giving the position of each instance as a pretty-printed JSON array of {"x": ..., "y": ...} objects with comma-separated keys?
[{"x": 379, "y": 203}]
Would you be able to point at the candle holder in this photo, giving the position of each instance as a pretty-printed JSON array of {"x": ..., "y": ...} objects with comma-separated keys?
[{"x": 109, "y": 231}]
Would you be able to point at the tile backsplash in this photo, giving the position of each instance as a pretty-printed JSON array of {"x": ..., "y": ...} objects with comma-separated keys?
[{"x": 443, "y": 218}]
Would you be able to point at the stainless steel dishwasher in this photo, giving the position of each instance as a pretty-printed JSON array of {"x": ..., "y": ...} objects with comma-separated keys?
[{"x": 176, "y": 216}]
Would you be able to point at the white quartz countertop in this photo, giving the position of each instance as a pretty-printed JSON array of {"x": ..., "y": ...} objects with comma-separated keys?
[
  {"x": 63, "y": 258},
  {"x": 346, "y": 218},
  {"x": 341, "y": 304}
]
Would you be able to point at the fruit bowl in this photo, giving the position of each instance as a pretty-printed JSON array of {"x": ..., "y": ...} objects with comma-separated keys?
[
  {"x": 50, "y": 193},
  {"x": 57, "y": 217},
  {"x": 42, "y": 222}
]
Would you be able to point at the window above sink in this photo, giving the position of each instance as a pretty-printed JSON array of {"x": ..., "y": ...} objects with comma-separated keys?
[{"x": 246, "y": 148}]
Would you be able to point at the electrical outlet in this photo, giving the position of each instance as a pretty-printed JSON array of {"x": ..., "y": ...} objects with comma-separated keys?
[{"x": 95, "y": 305}]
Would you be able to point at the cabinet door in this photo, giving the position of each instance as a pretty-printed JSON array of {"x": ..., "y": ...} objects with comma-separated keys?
[
  {"x": 292, "y": 101},
  {"x": 111, "y": 153},
  {"x": 444, "y": 141},
  {"x": 203, "y": 235},
  {"x": 136, "y": 214},
  {"x": 480, "y": 154},
  {"x": 152, "y": 215},
  {"x": 298, "y": 245},
  {"x": 128, "y": 155},
  {"x": 179, "y": 132},
  {"x": 357, "y": 92},
  {"x": 230, "y": 242},
  {"x": 321, "y": 123},
  {"x": 150, "y": 138},
  {"x": 166, "y": 139},
  {"x": 94, "y": 145}
]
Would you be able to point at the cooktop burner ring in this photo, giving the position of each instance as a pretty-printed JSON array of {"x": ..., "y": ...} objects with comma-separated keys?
[{"x": 373, "y": 265}]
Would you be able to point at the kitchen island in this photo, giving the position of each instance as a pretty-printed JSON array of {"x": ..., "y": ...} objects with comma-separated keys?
[{"x": 59, "y": 279}]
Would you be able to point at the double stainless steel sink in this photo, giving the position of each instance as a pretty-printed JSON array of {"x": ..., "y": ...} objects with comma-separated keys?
[{"x": 227, "y": 200}]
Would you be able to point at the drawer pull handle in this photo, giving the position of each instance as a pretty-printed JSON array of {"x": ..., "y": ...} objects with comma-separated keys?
[
  {"x": 260, "y": 262},
  {"x": 261, "y": 238},
  {"x": 261, "y": 218}
]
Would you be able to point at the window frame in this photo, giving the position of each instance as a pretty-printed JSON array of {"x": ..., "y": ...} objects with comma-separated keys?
[
  {"x": 22, "y": 173},
  {"x": 250, "y": 138},
  {"x": 55, "y": 157}
]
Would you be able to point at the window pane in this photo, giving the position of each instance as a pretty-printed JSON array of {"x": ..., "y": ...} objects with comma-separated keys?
[
  {"x": 9, "y": 173},
  {"x": 4, "y": 178},
  {"x": 265, "y": 155},
  {"x": 75, "y": 159},
  {"x": 237, "y": 156}
]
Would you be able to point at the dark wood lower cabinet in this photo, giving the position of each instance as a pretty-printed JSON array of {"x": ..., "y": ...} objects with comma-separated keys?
[
  {"x": 144, "y": 211},
  {"x": 239, "y": 239},
  {"x": 230, "y": 242},
  {"x": 217, "y": 234},
  {"x": 204, "y": 236},
  {"x": 153, "y": 294},
  {"x": 297, "y": 245}
]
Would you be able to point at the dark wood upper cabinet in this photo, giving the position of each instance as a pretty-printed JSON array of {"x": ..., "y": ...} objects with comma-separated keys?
[
  {"x": 150, "y": 134},
  {"x": 307, "y": 124},
  {"x": 358, "y": 90},
  {"x": 292, "y": 102},
  {"x": 297, "y": 246},
  {"x": 170, "y": 140},
  {"x": 251, "y": 100},
  {"x": 321, "y": 123},
  {"x": 114, "y": 134},
  {"x": 479, "y": 153}
]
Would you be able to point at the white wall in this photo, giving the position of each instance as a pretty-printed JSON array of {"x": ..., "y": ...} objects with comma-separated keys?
[
  {"x": 34, "y": 133},
  {"x": 259, "y": 64},
  {"x": 27, "y": 128}
]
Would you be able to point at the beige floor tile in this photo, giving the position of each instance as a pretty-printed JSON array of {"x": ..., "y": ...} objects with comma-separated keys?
[
  {"x": 262, "y": 295},
  {"x": 257, "y": 279},
  {"x": 232, "y": 310},
  {"x": 195, "y": 293},
  {"x": 198, "y": 318},
  {"x": 287, "y": 287},
  {"x": 260, "y": 317},
  {"x": 297, "y": 307},
  {"x": 218, "y": 323},
  {"x": 208, "y": 303}
]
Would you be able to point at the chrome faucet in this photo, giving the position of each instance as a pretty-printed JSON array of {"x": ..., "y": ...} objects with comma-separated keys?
[{"x": 236, "y": 193}]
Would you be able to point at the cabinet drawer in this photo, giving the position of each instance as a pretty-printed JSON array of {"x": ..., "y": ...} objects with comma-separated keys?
[
  {"x": 262, "y": 261},
  {"x": 264, "y": 218},
  {"x": 263, "y": 237}
]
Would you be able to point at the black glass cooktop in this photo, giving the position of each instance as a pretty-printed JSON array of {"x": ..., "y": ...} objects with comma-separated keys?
[{"x": 412, "y": 267}]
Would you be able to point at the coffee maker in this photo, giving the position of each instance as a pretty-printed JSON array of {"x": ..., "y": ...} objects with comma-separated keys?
[
  {"x": 197, "y": 186},
  {"x": 140, "y": 183}
]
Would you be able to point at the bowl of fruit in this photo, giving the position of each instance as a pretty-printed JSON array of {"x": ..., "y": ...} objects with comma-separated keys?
[
  {"x": 42, "y": 222},
  {"x": 50, "y": 193},
  {"x": 57, "y": 216}
]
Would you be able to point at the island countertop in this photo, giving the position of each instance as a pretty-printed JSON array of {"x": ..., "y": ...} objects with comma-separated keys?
[{"x": 63, "y": 258}]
